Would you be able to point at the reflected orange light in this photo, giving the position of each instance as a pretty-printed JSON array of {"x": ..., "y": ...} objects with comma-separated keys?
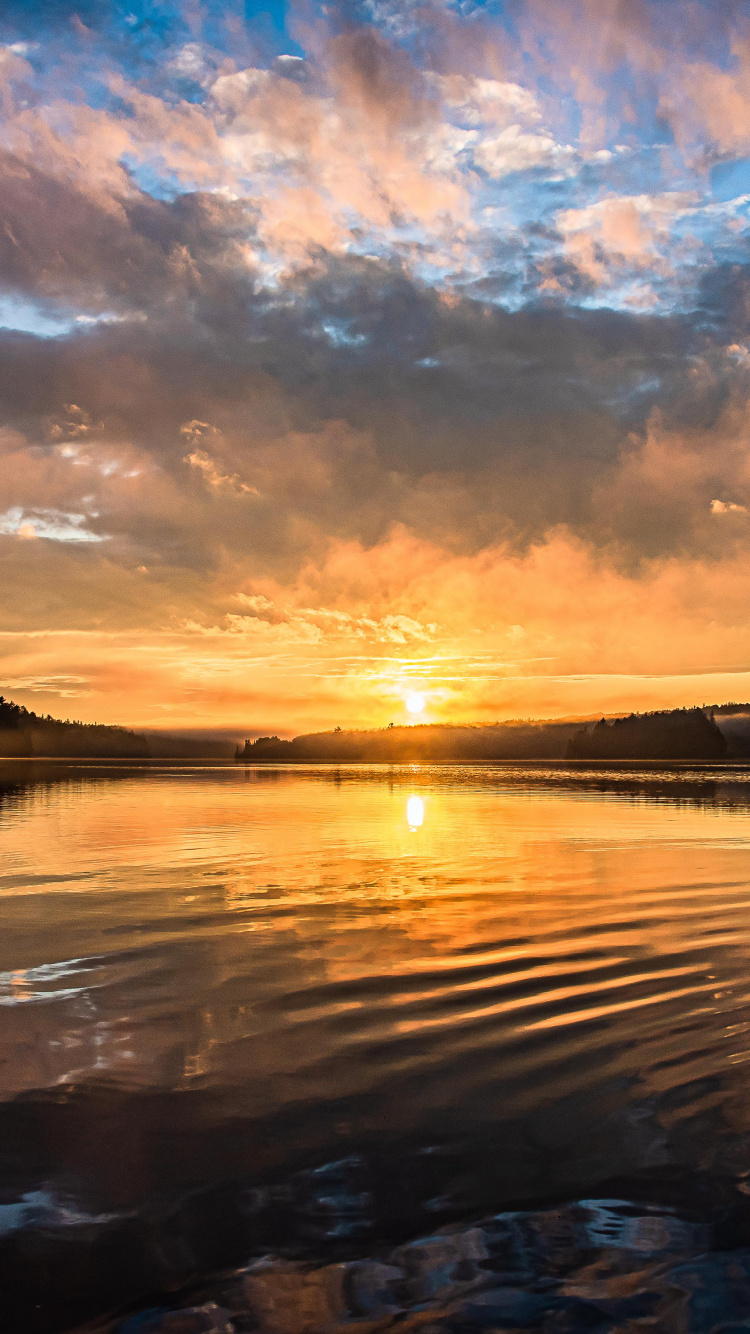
[{"x": 415, "y": 812}]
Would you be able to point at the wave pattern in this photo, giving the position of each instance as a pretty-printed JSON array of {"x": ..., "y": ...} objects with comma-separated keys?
[{"x": 542, "y": 985}]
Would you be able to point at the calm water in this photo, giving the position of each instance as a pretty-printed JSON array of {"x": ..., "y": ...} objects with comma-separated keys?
[{"x": 251, "y": 1008}]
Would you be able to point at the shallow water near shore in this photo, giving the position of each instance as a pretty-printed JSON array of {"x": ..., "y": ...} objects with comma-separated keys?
[{"x": 319, "y": 1012}]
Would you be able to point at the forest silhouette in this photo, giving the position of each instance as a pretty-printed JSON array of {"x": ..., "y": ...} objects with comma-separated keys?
[
  {"x": 25, "y": 734},
  {"x": 668, "y": 735},
  {"x": 676, "y": 734}
]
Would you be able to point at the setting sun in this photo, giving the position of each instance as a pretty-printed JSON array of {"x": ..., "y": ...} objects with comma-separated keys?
[{"x": 374, "y": 421}]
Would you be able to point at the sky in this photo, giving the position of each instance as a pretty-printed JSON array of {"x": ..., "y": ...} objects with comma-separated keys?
[{"x": 361, "y": 349}]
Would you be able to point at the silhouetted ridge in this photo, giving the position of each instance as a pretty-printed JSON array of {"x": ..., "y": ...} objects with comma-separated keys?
[
  {"x": 675, "y": 734},
  {"x": 421, "y": 744},
  {"x": 25, "y": 734}
]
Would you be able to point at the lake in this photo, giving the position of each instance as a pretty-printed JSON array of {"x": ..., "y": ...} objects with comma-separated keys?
[{"x": 249, "y": 1008}]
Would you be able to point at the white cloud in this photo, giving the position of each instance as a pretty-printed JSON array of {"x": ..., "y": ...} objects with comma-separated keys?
[
  {"x": 515, "y": 149},
  {"x": 55, "y": 525},
  {"x": 481, "y": 101}
]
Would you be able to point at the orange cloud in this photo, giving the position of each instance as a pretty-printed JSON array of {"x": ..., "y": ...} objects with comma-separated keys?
[{"x": 557, "y": 630}]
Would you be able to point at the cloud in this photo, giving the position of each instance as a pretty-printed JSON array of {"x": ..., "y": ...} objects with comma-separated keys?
[
  {"x": 408, "y": 341},
  {"x": 319, "y": 623},
  {"x": 216, "y": 479},
  {"x": 55, "y": 525},
  {"x": 315, "y": 662},
  {"x": 517, "y": 150},
  {"x": 196, "y": 431},
  {"x": 619, "y": 237}
]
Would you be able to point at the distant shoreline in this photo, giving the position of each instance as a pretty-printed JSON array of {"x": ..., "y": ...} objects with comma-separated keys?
[
  {"x": 673, "y": 734},
  {"x": 95, "y": 761},
  {"x": 709, "y": 734}
]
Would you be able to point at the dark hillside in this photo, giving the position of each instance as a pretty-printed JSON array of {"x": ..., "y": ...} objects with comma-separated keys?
[
  {"x": 23, "y": 733},
  {"x": 733, "y": 720},
  {"x": 676, "y": 734},
  {"x": 426, "y": 744}
]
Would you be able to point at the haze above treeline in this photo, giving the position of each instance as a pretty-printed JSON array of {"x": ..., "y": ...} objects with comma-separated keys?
[{"x": 712, "y": 732}]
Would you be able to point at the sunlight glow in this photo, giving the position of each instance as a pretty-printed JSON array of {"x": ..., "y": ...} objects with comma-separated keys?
[
  {"x": 415, "y": 812},
  {"x": 415, "y": 703}
]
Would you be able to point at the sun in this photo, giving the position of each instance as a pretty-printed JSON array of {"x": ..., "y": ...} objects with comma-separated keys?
[{"x": 415, "y": 703}]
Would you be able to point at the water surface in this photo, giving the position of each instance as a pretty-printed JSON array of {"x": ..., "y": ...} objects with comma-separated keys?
[{"x": 251, "y": 1008}]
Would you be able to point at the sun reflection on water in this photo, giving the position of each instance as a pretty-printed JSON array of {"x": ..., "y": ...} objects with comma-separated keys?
[{"x": 415, "y": 812}]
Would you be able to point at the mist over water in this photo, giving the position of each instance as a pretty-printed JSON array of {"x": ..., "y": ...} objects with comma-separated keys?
[{"x": 252, "y": 1008}]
